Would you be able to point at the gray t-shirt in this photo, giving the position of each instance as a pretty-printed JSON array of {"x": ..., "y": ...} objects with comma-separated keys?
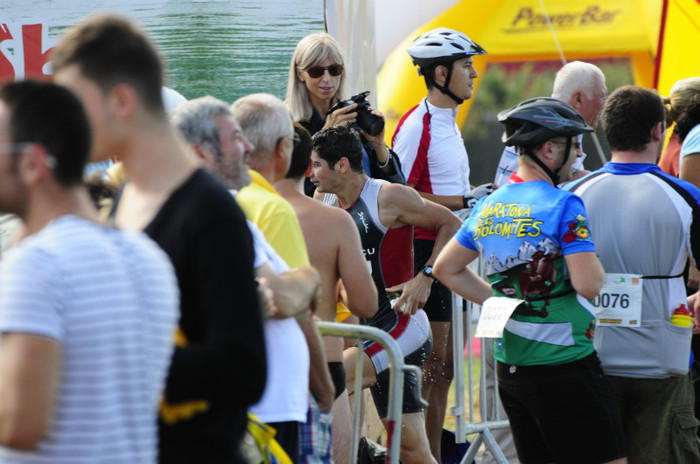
[{"x": 644, "y": 222}]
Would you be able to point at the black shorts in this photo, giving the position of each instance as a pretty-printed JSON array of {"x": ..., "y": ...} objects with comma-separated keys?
[
  {"x": 337, "y": 371},
  {"x": 562, "y": 413},
  {"x": 288, "y": 438},
  {"x": 380, "y": 391},
  {"x": 439, "y": 304}
]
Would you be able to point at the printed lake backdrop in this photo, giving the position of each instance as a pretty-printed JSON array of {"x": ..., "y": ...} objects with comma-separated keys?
[{"x": 227, "y": 49}]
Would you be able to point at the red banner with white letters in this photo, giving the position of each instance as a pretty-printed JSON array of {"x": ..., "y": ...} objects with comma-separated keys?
[{"x": 24, "y": 51}]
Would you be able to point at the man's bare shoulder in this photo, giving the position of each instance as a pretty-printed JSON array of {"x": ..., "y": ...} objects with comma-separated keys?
[
  {"x": 392, "y": 193},
  {"x": 325, "y": 217},
  {"x": 324, "y": 226},
  {"x": 394, "y": 200}
]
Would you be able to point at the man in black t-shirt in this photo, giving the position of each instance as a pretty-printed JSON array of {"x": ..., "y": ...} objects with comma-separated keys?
[{"x": 219, "y": 366}]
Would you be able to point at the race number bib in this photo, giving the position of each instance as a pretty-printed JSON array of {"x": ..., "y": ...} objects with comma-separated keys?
[
  {"x": 619, "y": 303},
  {"x": 495, "y": 313}
]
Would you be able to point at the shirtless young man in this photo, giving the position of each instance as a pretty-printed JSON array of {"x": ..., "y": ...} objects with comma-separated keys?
[
  {"x": 334, "y": 248},
  {"x": 377, "y": 206}
]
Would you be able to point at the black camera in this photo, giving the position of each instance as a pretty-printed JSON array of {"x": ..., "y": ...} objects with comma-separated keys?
[{"x": 367, "y": 121}]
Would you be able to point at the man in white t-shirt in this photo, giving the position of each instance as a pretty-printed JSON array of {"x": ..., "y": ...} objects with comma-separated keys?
[
  {"x": 581, "y": 85},
  {"x": 87, "y": 313}
]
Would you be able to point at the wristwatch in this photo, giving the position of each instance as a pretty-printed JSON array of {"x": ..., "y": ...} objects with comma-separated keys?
[{"x": 428, "y": 271}]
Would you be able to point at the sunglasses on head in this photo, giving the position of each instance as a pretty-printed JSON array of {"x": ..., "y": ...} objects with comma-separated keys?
[{"x": 317, "y": 71}]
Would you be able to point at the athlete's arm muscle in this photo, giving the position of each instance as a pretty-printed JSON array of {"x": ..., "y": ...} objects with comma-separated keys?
[
  {"x": 451, "y": 202},
  {"x": 407, "y": 207},
  {"x": 400, "y": 205}
]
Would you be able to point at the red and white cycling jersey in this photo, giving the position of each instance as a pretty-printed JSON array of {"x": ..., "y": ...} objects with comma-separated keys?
[{"x": 432, "y": 153}]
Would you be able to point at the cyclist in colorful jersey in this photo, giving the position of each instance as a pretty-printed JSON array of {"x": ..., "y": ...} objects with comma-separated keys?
[
  {"x": 376, "y": 206},
  {"x": 536, "y": 247},
  {"x": 645, "y": 356},
  {"x": 434, "y": 161}
]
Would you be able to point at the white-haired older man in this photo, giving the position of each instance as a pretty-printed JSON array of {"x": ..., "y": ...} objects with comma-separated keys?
[{"x": 581, "y": 85}]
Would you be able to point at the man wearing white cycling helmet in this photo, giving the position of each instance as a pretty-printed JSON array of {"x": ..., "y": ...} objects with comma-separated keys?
[
  {"x": 434, "y": 161},
  {"x": 537, "y": 249}
]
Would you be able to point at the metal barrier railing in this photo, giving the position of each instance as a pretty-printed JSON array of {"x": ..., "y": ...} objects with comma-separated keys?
[
  {"x": 397, "y": 368},
  {"x": 462, "y": 427}
]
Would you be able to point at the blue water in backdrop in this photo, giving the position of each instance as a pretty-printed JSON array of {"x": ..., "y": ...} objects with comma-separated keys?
[{"x": 222, "y": 48}]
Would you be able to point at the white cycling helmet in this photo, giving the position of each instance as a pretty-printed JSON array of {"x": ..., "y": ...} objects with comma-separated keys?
[{"x": 442, "y": 45}]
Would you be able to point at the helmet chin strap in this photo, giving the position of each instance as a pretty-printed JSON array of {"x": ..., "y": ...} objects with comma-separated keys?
[
  {"x": 567, "y": 153},
  {"x": 554, "y": 175},
  {"x": 445, "y": 89}
]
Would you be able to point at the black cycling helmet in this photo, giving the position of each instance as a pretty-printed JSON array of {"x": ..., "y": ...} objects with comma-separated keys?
[
  {"x": 442, "y": 46},
  {"x": 537, "y": 120}
]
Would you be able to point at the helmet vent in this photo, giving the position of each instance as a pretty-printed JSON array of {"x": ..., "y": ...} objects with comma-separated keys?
[{"x": 441, "y": 45}]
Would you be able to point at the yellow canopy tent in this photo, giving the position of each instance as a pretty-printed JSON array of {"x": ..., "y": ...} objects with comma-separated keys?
[
  {"x": 679, "y": 43},
  {"x": 518, "y": 30}
]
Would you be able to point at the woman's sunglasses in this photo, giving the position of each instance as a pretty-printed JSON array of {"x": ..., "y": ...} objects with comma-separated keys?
[{"x": 317, "y": 71}]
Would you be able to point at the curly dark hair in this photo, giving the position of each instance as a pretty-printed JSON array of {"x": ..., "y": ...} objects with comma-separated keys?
[{"x": 336, "y": 142}]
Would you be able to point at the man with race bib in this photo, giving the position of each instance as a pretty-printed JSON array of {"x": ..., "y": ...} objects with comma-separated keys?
[{"x": 646, "y": 228}]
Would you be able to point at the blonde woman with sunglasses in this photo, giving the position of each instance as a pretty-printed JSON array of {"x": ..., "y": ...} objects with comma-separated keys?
[{"x": 316, "y": 84}]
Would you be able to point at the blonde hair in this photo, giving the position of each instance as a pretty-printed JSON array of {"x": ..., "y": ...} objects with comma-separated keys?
[
  {"x": 311, "y": 51},
  {"x": 682, "y": 94}
]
